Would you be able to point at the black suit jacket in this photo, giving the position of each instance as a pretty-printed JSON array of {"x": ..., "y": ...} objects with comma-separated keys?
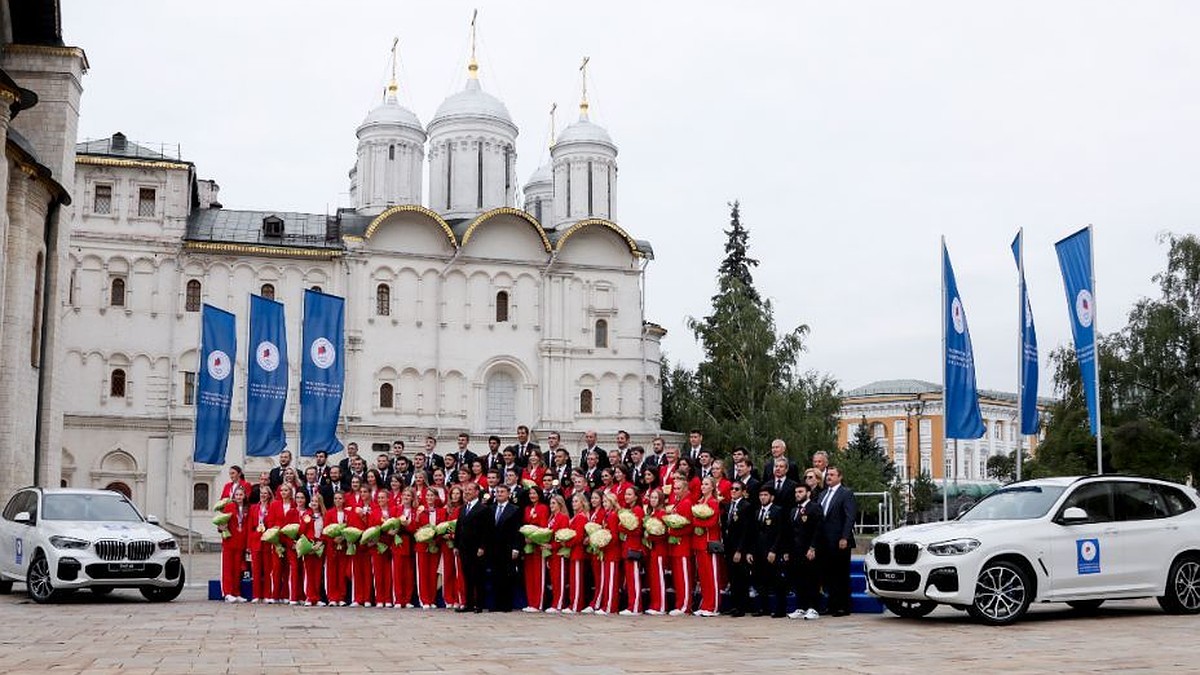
[
  {"x": 603, "y": 463},
  {"x": 505, "y": 536},
  {"x": 785, "y": 497},
  {"x": 465, "y": 458},
  {"x": 838, "y": 522},
  {"x": 805, "y": 525},
  {"x": 523, "y": 455},
  {"x": 345, "y": 465},
  {"x": 473, "y": 529},
  {"x": 739, "y": 525},
  {"x": 593, "y": 476},
  {"x": 768, "y": 534},
  {"x": 493, "y": 462}
]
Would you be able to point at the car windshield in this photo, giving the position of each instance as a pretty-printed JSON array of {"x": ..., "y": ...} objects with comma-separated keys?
[
  {"x": 1020, "y": 502},
  {"x": 89, "y": 507}
]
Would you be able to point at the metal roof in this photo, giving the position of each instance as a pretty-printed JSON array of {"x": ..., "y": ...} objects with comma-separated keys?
[
  {"x": 308, "y": 230},
  {"x": 118, "y": 145}
]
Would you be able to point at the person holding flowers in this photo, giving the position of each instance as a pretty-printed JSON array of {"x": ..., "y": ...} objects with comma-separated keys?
[
  {"x": 531, "y": 475},
  {"x": 454, "y": 590},
  {"x": 657, "y": 547},
  {"x": 264, "y": 564},
  {"x": 360, "y": 561},
  {"x": 308, "y": 548},
  {"x": 398, "y": 536},
  {"x": 620, "y": 482},
  {"x": 560, "y": 521},
  {"x": 233, "y": 542},
  {"x": 237, "y": 477},
  {"x": 283, "y": 515},
  {"x": 537, "y": 516},
  {"x": 337, "y": 563},
  {"x": 608, "y": 547},
  {"x": 575, "y": 546},
  {"x": 596, "y": 520},
  {"x": 378, "y": 550},
  {"x": 633, "y": 551},
  {"x": 679, "y": 543},
  {"x": 706, "y": 545},
  {"x": 429, "y": 516}
]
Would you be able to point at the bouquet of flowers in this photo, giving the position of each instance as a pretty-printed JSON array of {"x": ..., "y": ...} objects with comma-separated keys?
[
  {"x": 628, "y": 519},
  {"x": 592, "y": 527},
  {"x": 674, "y": 521},
  {"x": 390, "y": 525},
  {"x": 537, "y": 537},
  {"x": 222, "y": 523},
  {"x": 271, "y": 535},
  {"x": 221, "y": 504},
  {"x": 290, "y": 531},
  {"x": 563, "y": 536},
  {"x": 445, "y": 530},
  {"x": 333, "y": 531},
  {"x": 425, "y": 535},
  {"x": 371, "y": 536},
  {"x": 305, "y": 547},
  {"x": 598, "y": 539},
  {"x": 351, "y": 535},
  {"x": 654, "y": 526},
  {"x": 702, "y": 512}
]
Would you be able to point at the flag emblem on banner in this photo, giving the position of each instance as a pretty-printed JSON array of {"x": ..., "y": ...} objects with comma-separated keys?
[
  {"x": 267, "y": 356},
  {"x": 956, "y": 315},
  {"x": 218, "y": 364},
  {"x": 323, "y": 353},
  {"x": 1083, "y": 308}
]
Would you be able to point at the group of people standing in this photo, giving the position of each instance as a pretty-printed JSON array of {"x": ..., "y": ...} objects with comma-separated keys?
[{"x": 621, "y": 531}]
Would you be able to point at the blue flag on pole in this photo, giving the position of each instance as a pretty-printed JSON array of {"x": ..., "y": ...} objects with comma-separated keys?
[
  {"x": 218, "y": 345},
  {"x": 322, "y": 373},
  {"x": 1029, "y": 349},
  {"x": 963, "y": 419},
  {"x": 1075, "y": 260},
  {"x": 267, "y": 380}
]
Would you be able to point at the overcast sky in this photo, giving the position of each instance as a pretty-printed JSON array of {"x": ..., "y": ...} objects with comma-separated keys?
[{"x": 854, "y": 134}]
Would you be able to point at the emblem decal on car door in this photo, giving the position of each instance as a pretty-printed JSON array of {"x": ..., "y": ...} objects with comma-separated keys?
[{"x": 1088, "y": 558}]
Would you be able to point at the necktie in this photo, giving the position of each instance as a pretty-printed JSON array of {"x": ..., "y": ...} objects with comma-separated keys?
[
  {"x": 762, "y": 515},
  {"x": 778, "y": 484},
  {"x": 825, "y": 501},
  {"x": 499, "y": 512}
]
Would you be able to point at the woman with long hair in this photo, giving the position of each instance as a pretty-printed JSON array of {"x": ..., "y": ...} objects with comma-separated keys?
[
  {"x": 379, "y": 553},
  {"x": 403, "y": 561},
  {"x": 430, "y": 514},
  {"x": 560, "y": 519},
  {"x": 283, "y": 512},
  {"x": 236, "y": 477},
  {"x": 609, "y": 586},
  {"x": 649, "y": 484},
  {"x": 679, "y": 545},
  {"x": 633, "y": 552},
  {"x": 263, "y": 561},
  {"x": 534, "y": 470},
  {"x": 233, "y": 546},
  {"x": 454, "y": 587},
  {"x": 310, "y": 528},
  {"x": 656, "y": 559},
  {"x": 579, "y": 502},
  {"x": 337, "y": 564},
  {"x": 361, "y": 560},
  {"x": 706, "y": 547},
  {"x": 538, "y": 514},
  {"x": 596, "y": 517}
]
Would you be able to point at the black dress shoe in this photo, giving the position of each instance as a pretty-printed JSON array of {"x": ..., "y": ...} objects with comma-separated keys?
[
  {"x": 840, "y": 612},
  {"x": 463, "y": 610},
  {"x": 736, "y": 614},
  {"x": 479, "y": 610},
  {"x": 760, "y": 613}
]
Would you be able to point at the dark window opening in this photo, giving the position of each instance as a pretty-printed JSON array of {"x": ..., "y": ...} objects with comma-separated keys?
[
  {"x": 116, "y": 384},
  {"x": 502, "y": 307}
]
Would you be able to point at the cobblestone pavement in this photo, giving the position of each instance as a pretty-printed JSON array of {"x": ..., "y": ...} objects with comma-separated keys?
[{"x": 122, "y": 633}]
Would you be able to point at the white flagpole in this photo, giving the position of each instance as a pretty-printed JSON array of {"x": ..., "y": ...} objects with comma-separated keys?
[
  {"x": 1020, "y": 349},
  {"x": 1096, "y": 353},
  {"x": 945, "y": 396},
  {"x": 195, "y": 429}
]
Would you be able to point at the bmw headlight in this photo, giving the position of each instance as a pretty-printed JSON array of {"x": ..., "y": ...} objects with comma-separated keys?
[
  {"x": 953, "y": 547},
  {"x": 69, "y": 543},
  {"x": 168, "y": 545}
]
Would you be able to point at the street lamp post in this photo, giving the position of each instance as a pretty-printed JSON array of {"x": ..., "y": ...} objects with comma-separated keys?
[{"x": 912, "y": 409}]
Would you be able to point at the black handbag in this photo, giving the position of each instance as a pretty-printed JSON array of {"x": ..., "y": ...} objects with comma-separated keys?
[
  {"x": 716, "y": 547},
  {"x": 633, "y": 555}
]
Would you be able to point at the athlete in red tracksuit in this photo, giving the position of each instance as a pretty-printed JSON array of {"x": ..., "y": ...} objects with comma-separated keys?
[
  {"x": 283, "y": 512},
  {"x": 576, "y": 545},
  {"x": 310, "y": 528},
  {"x": 264, "y": 564},
  {"x": 403, "y": 563},
  {"x": 679, "y": 547},
  {"x": 633, "y": 553},
  {"x": 360, "y": 562},
  {"x": 656, "y": 560},
  {"x": 454, "y": 586},
  {"x": 559, "y": 519},
  {"x": 537, "y": 514},
  {"x": 337, "y": 563},
  {"x": 233, "y": 547},
  {"x": 708, "y": 565},
  {"x": 597, "y": 516},
  {"x": 429, "y": 553},
  {"x": 381, "y": 560}
]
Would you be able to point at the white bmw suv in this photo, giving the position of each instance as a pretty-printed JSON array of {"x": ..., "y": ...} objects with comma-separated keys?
[
  {"x": 1075, "y": 540},
  {"x": 61, "y": 540}
]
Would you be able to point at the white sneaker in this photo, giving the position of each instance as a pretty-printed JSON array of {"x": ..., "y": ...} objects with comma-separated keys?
[
  {"x": 625, "y": 612},
  {"x": 256, "y": 601},
  {"x": 320, "y": 603},
  {"x": 355, "y": 604},
  {"x": 568, "y": 611},
  {"x": 653, "y": 612},
  {"x": 811, "y": 615},
  {"x": 230, "y": 598},
  {"x": 408, "y": 605},
  {"x": 798, "y": 614},
  {"x": 529, "y": 609},
  {"x": 294, "y": 602},
  {"x": 600, "y": 612},
  {"x": 551, "y": 610},
  {"x": 268, "y": 601},
  {"x": 675, "y": 612},
  {"x": 587, "y": 610},
  {"x": 238, "y": 598}
]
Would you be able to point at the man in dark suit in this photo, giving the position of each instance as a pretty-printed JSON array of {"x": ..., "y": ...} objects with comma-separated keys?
[
  {"x": 463, "y": 454},
  {"x": 471, "y": 535},
  {"x": 782, "y": 487},
  {"x": 592, "y": 469},
  {"x": 778, "y": 450},
  {"x": 736, "y": 534},
  {"x": 638, "y": 465},
  {"x": 589, "y": 446},
  {"x": 764, "y": 555},
  {"x": 312, "y": 486},
  {"x": 322, "y": 464},
  {"x": 494, "y": 459},
  {"x": 805, "y": 522},
  {"x": 743, "y": 472},
  {"x": 739, "y": 454},
  {"x": 432, "y": 459},
  {"x": 504, "y": 548},
  {"x": 523, "y": 447},
  {"x": 348, "y": 461},
  {"x": 285, "y": 460},
  {"x": 695, "y": 445},
  {"x": 624, "y": 447},
  {"x": 835, "y": 541},
  {"x": 383, "y": 464}
]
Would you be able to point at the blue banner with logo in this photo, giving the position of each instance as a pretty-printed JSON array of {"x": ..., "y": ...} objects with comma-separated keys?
[
  {"x": 963, "y": 419},
  {"x": 267, "y": 378},
  {"x": 1029, "y": 349},
  {"x": 1075, "y": 260},
  {"x": 214, "y": 394},
  {"x": 322, "y": 373}
]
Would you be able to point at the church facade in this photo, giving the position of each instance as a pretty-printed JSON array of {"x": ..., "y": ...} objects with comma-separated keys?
[{"x": 464, "y": 313}]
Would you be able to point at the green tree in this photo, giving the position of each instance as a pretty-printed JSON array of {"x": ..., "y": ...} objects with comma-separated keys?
[
  {"x": 737, "y": 262},
  {"x": 865, "y": 467},
  {"x": 923, "y": 490}
]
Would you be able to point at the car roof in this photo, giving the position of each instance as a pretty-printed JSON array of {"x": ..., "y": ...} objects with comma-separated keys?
[
  {"x": 1064, "y": 481},
  {"x": 71, "y": 491}
]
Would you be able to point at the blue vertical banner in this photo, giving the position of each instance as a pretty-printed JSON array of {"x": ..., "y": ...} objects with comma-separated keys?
[
  {"x": 963, "y": 418},
  {"x": 1075, "y": 260},
  {"x": 322, "y": 372},
  {"x": 267, "y": 378},
  {"x": 214, "y": 395},
  {"x": 1029, "y": 349}
]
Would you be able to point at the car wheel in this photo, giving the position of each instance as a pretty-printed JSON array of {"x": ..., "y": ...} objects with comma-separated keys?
[
  {"x": 5, "y": 587},
  {"x": 1183, "y": 587},
  {"x": 1085, "y": 606},
  {"x": 164, "y": 594},
  {"x": 101, "y": 590},
  {"x": 1002, "y": 593},
  {"x": 910, "y": 609},
  {"x": 41, "y": 588}
]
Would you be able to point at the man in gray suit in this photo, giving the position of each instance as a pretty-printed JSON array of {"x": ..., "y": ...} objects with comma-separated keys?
[{"x": 835, "y": 541}]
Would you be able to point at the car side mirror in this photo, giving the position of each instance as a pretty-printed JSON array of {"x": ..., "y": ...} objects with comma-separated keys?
[
  {"x": 23, "y": 517},
  {"x": 153, "y": 520},
  {"x": 1073, "y": 515}
]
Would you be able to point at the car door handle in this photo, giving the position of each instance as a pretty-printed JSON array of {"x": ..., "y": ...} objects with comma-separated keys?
[{"x": 1111, "y": 530}]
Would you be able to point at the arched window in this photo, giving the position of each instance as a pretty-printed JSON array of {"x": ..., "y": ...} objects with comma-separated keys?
[
  {"x": 601, "y": 334},
  {"x": 585, "y": 401},
  {"x": 502, "y": 307},
  {"x": 200, "y": 497},
  {"x": 386, "y": 395},
  {"x": 317, "y": 289},
  {"x": 383, "y": 300},
  {"x": 392, "y": 151},
  {"x": 267, "y": 291},
  {"x": 116, "y": 384},
  {"x": 117, "y": 292},
  {"x": 192, "y": 300},
  {"x": 118, "y": 486}
]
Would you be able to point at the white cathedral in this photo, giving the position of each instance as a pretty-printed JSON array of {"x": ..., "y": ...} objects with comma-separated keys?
[{"x": 463, "y": 314}]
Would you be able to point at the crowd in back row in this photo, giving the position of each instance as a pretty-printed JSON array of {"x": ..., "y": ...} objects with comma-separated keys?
[{"x": 602, "y": 526}]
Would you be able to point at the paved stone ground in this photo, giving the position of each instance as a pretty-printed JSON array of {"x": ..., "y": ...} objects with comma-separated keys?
[{"x": 122, "y": 633}]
